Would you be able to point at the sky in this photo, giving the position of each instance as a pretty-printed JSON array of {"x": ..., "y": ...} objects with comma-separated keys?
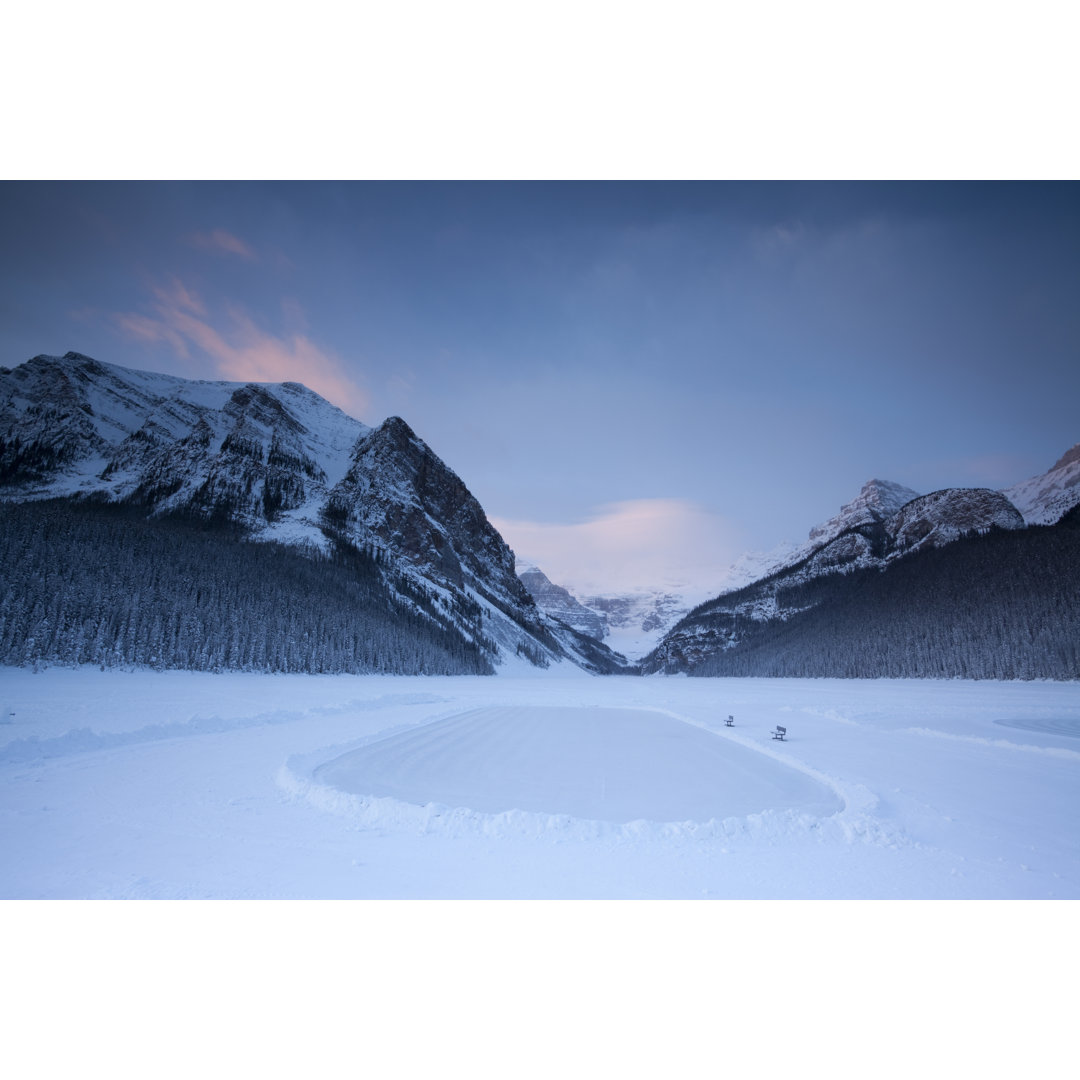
[{"x": 639, "y": 381}]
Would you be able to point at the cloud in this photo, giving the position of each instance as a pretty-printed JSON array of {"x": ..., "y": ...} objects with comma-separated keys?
[
  {"x": 140, "y": 328},
  {"x": 221, "y": 242},
  {"x": 176, "y": 295},
  {"x": 631, "y": 545},
  {"x": 238, "y": 349}
]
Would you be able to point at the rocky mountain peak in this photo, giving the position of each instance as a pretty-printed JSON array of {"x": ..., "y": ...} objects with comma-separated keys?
[
  {"x": 283, "y": 464},
  {"x": 560, "y": 603},
  {"x": 1047, "y": 498},
  {"x": 943, "y": 516},
  {"x": 876, "y": 501},
  {"x": 401, "y": 495},
  {"x": 1070, "y": 457}
]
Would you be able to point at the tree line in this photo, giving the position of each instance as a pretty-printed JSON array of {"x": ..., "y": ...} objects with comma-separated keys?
[
  {"x": 87, "y": 582},
  {"x": 1003, "y": 605}
]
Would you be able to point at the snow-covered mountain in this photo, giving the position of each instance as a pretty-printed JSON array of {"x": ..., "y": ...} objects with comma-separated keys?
[
  {"x": 754, "y": 565},
  {"x": 636, "y": 621},
  {"x": 266, "y": 456},
  {"x": 560, "y": 603},
  {"x": 878, "y": 501},
  {"x": 1045, "y": 499},
  {"x": 945, "y": 516},
  {"x": 884, "y": 522},
  {"x": 630, "y": 623},
  {"x": 284, "y": 465}
]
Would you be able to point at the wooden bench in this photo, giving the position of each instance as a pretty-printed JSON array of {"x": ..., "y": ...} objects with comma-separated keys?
[
  {"x": 729, "y": 722},
  {"x": 779, "y": 733}
]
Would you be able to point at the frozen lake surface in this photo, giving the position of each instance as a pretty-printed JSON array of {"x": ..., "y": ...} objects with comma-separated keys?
[{"x": 556, "y": 785}]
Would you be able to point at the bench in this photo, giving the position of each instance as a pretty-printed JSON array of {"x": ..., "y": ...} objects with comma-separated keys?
[
  {"x": 729, "y": 722},
  {"x": 779, "y": 733}
]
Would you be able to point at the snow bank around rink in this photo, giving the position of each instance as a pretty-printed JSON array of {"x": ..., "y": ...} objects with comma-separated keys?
[
  {"x": 85, "y": 740},
  {"x": 1051, "y": 725},
  {"x": 60, "y": 711},
  {"x": 492, "y": 754}
]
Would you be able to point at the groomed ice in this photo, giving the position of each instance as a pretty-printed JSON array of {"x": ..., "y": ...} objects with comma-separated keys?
[{"x": 613, "y": 765}]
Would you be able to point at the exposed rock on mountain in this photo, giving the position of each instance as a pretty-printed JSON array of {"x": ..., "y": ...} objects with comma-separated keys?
[
  {"x": 1002, "y": 604},
  {"x": 399, "y": 496},
  {"x": 281, "y": 464},
  {"x": 944, "y": 516},
  {"x": 1047, "y": 498},
  {"x": 861, "y": 538},
  {"x": 637, "y": 621},
  {"x": 876, "y": 502},
  {"x": 246, "y": 452},
  {"x": 560, "y": 604},
  {"x": 630, "y": 624}
]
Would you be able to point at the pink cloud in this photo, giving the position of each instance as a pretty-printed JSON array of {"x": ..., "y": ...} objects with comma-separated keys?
[
  {"x": 631, "y": 545},
  {"x": 175, "y": 294},
  {"x": 240, "y": 350},
  {"x": 140, "y": 328},
  {"x": 222, "y": 243}
]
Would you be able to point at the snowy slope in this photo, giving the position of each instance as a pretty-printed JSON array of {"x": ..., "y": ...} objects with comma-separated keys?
[
  {"x": 1043, "y": 499},
  {"x": 630, "y": 623},
  {"x": 72, "y": 425},
  {"x": 884, "y": 523},
  {"x": 284, "y": 465},
  {"x": 877, "y": 501},
  {"x": 178, "y": 785},
  {"x": 559, "y": 602},
  {"x": 637, "y": 620},
  {"x": 754, "y": 565},
  {"x": 941, "y": 517}
]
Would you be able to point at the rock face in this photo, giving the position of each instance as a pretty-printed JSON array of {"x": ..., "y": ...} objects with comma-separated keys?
[
  {"x": 943, "y": 516},
  {"x": 1045, "y": 499},
  {"x": 645, "y": 612},
  {"x": 401, "y": 497},
  {"x": 637, "y": 621},
  {"x": 630, "y": 624},
  {"x": 881, "y": 525},
  {"x": 280, "y": 463},
  {"x": 876, "y": 502},
  {"x": 247, "y": 452},
  {"x": 864, "y": 516},
  {"x": 559, "y": 603}
]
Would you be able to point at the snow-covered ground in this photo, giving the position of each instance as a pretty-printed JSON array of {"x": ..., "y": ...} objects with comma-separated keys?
[{"x": 188, "y": 785}]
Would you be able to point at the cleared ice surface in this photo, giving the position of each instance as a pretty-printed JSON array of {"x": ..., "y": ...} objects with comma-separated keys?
[{"x": 615, "y": 765}]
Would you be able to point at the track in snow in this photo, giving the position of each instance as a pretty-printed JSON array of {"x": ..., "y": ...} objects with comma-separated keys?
[
  {"x": 603, "y": 764},
  {"x": 1064, "y": 726}
]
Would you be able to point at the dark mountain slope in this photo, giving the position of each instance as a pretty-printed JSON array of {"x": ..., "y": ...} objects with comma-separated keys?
[
  {"x": 277, "y": 463},
  {"x": 1002, "y": 605},
  {"x": 99, "y": 583}
]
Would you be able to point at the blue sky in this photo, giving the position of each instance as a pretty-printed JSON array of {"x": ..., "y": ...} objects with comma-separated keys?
[{"x": 639, "y": 381}]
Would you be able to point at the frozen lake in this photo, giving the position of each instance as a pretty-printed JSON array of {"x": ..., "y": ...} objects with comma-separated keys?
[{"x": 558, "y": 785}]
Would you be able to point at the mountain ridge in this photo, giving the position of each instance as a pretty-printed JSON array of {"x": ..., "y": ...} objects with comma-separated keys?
[
  {"x": 863, "y": 541},
  {"x": 282, "y": 464}
]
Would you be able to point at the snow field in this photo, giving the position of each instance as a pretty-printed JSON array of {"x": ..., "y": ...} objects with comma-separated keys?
[
  {"x": 186, "y": 785},
  {"x": 178, "y": 785}
]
